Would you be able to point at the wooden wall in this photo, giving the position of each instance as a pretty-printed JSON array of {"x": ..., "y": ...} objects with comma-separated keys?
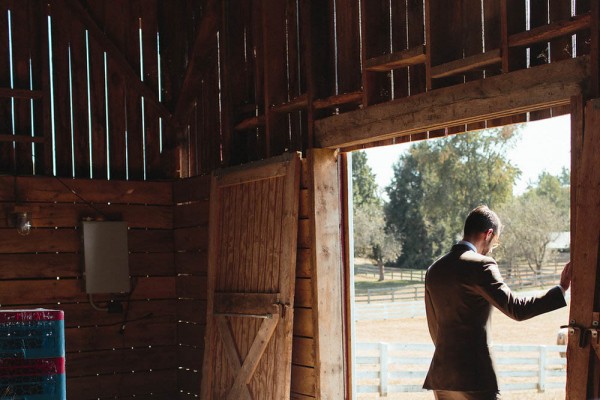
[
  {"x": 44, "y": 269},
  {"x": 191, "y": 197}
]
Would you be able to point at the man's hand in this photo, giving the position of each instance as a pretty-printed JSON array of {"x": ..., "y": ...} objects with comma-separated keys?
[{"x": 565, "y": 276}]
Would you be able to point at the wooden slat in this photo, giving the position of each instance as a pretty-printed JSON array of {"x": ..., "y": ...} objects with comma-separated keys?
[
  {"x": 154, "y": 358},
  {"x": 144, "y": 384},
  {"x": 467, "y": 64},
  {"x": 250, "y": 123},
  {"x": 21, "y": 93},
  {"x": 125, "y": 67},
  {"x": 509, "y": 94},
  {"x": 50, "y": 215},
  {"x": 71, "y": 290},
  {"x": 303, "y": 352},
  {"x": 43, "y": 189},
  {"x": 21, "y": 139},
  {"x": 297, "y": 103},
  {"x": 303, "y": 322},
  {"x": 191, "y": 189},
  {"x": 204, "y": 42},
  {"x": 550, "y": 31},
  {"x": 192, "y": 262},
  {"x": 191, "y": 287},
  {"x": 191, "y": 335},
  {"x": 191, "y": 239},
  {"x": 338, "y": 100},
  {"x": 347, "y": 46},
  {"x": 192, "y": 311},
  {"x": 376, "y": 87},
  {"x": 190, "y": 357},
  {"x": 142, "y": 333},
  {"x": 304, "y": 380},
  {"x": 327, "y": 284},
  {"x": 304, "y": 297},
  {"x": 67, "y": 265},
  {"x": 191, "y": 214},
  {"x": 405, "y": 58}
]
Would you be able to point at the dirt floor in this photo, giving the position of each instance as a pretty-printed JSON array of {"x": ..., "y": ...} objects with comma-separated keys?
[{"x": 540, "y": 330}]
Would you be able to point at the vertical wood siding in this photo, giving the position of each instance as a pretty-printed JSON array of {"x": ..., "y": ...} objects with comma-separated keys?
[{"x": 44, "y": 269}]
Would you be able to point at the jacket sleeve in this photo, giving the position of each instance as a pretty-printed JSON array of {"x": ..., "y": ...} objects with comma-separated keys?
[
  {"x": 490, "y": 285},
  {"x": 431, "y": 317}
]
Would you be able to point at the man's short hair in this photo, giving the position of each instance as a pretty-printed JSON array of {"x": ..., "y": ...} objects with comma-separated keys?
[{"x": 480, "y": 220}]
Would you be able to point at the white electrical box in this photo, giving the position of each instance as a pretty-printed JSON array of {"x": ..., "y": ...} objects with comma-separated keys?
[{"x": 106, "y": 257}]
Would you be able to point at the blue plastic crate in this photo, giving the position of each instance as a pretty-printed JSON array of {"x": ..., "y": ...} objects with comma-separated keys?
[
  {"x": 32, "y": 334},
  {"x": 33, "y": 379}
]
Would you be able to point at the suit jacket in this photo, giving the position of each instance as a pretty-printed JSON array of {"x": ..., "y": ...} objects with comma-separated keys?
[{"x": 460, "y": 290}]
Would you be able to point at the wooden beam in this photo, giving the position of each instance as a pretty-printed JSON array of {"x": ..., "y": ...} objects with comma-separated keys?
[
  {"x": 338, "y": 100},
  {"x": 328, "y": 271},
  {"x": 467, "y": 64},
  {"x": 298, "y": 103},
  {"x": 121, "y": 62},
  {"x": 499, "y": 96},
  {"x": 550, "y": 31},
  {"x": 205, "y": 42},
  {"x": 387, "y": 62},
  {"x": 250, "y": 123}
]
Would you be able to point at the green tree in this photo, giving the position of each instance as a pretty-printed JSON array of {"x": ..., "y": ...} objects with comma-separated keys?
[
  {"x": 371, "y": 240},
  {"x": 532, "y": 220},
  {"x": 364, "y": 186},
  {"x": 437, "y": 183}
]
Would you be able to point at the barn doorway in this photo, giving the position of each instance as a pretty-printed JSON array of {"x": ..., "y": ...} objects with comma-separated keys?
[{"x": 397, "y": 231}]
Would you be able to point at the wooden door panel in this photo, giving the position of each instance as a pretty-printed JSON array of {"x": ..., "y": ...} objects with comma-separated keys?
[{"x": 251, "y": 275}]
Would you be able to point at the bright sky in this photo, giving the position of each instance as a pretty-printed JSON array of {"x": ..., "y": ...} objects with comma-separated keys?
[{"x": 544, "y": 146}]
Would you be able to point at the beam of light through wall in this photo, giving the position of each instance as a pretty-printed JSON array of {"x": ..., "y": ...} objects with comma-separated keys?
[
  {"x": 89, "y": 101},
  {"x": 106, "y": 109},
  {"x": 12, "y": 86},
  {"x": 142, "y": 97},
  {"x": 51, "y": 73},
  {"x": 126, "y": 133},
  {"x": 219, "y": 86},
  {"x": 31, "y": 117},
  {"x": 160, "y": 120},
  {"x": 71, "y": 115}
]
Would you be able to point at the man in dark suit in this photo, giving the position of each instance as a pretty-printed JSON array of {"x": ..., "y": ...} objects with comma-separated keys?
[{"x": 460, "y": 289}]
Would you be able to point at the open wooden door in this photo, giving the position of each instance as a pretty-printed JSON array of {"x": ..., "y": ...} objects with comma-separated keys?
[
  {"x": 583, "y": 355},
  {"x": 251, "y": 275}
]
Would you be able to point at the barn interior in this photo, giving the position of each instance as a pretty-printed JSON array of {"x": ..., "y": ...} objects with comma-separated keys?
[{"x": 218, "y": 131}]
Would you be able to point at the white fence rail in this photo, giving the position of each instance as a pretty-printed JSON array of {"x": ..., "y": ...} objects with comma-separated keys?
[{"x": 397, "y": 367}]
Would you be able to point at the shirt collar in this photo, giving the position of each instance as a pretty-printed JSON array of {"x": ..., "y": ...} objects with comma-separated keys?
[{"x": 468, "y": 244}]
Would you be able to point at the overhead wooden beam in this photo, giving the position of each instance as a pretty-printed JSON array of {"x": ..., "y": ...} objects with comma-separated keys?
[
  {"x": 405, "y": 58},
  {"x": 467, "y": 64},
  {"x": 550, "y": 31},
  {"x": 204, "y": 43},
  {"x": 499, "y": 96},
  {"x": 131, "y": 76}
]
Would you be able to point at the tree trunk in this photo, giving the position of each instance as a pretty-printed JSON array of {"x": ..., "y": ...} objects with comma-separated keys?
[{"x": 381, "y": 270}]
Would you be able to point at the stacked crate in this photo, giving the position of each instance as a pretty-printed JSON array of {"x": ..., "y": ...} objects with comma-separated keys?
[{"x": 32, "y": 355}]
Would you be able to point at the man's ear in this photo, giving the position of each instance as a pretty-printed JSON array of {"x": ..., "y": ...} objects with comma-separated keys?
[{"x": 489, "y": 234}]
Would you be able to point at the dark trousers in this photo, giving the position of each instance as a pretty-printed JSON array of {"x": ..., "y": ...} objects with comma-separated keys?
[{"x": 456, "y": 395}]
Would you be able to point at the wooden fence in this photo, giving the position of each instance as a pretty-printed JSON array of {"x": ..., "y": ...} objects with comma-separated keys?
[
  {"x": 401, "y": 367},
  {"x": 417, "y": 291}
]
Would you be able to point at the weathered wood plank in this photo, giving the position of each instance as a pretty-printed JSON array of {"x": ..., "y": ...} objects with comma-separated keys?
[
  {"x": 509, "y": 94},
  {"x": 304, "y": 381},
  {"x": 405, "y": 58},
  {"x": 192, "y": 262},
  {"x": 50, "y": 215},
  {"x": 326, "y": 281},
  {"x": 303, "y": 322},
  {"x": 67, "y": 265},
  {"x": 191, "y": 239},
  {"x": 71, "y": 290},
  {"x": 550, "y": 31},
  {"x": 467, "y": 64},
  {"x": 142, "y": 384},
  {"x": 191, "y": 189},
  {"x": 44, "y": 189},
  {"x": 191, "y": 287},
  {"x": 303, "y": 352},
  {"x": 144, "y": 333},
  {"x": 191, "y": 334},
  {"x": 192, "y": 311},
  {"x": 155, "y": 358}
]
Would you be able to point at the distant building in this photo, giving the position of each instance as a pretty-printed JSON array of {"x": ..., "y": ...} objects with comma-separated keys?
[{"x": 560, "y": 241}]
